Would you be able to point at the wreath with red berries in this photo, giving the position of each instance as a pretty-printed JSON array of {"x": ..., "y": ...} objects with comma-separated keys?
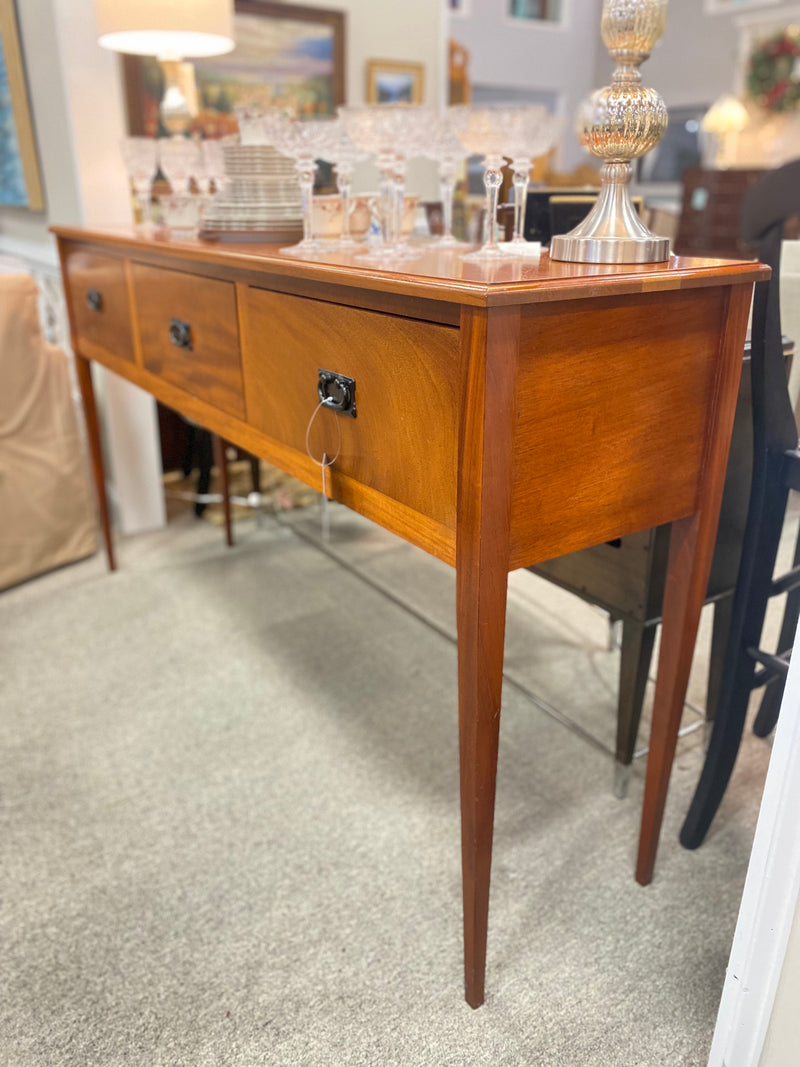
[{"x": 773, "y": 73}]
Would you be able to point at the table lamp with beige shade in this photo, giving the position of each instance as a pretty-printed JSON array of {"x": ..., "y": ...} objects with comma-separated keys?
[
  {"x": 719, "y": 131},
  {"x": 173, "y": 31}
]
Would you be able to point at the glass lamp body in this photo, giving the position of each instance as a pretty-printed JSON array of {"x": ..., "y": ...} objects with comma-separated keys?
[{"x": 619, "y": 124}]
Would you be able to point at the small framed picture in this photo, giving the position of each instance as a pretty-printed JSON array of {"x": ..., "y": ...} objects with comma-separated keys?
[{"x": 391, "y": 81}]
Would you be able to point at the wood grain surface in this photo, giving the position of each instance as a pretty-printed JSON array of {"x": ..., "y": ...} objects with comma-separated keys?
[
  {"x": 690, "y": 551},
  {"x": 211, "y": 368},
  {"x": 489, "y": 350},
  {"x": 439, "y": 275},
  {"x": 610, "y": 426},
  {"x": 106, "y": 331},
  {"x": 402, "y": 441}
]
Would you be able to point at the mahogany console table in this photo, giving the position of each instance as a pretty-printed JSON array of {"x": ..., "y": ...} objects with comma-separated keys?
[{"x": 504, "y": 415}]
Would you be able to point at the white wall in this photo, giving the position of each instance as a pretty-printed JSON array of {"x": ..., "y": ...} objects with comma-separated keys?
[
  {"x": 515, "y": 54},
  {"x": 695, "y": 61},
  {"x": 760, "y": 963},
  {"x": 783, "y": 1035}
]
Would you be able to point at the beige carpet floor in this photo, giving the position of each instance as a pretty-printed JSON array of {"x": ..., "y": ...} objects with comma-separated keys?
[{"x": 229, "y": 821}]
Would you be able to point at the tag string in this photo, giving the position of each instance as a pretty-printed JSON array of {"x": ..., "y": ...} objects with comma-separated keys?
[{"x": 324, "y": 463}]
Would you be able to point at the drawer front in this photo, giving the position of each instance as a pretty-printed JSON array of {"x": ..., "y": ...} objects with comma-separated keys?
[
  {"x": 189, "y": 334},
  {"x": 403, "y": 440},
  {"x": 99, "y": 305}
]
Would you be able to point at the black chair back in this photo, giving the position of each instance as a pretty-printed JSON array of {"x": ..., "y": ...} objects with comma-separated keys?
[{"x": 766, "y": 208}]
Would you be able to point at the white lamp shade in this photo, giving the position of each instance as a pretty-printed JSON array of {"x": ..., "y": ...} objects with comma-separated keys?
[
  {"x": 726, "y": 115},
  {"x": 169, "y": 29}
]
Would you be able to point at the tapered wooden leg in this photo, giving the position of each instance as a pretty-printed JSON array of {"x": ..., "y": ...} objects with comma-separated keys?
[
  {"x": 84, "y": 373},
  {"x": 489, "y": 344},
  {"x": 680, "y": 618},
  {"x": 221, "y": 463},
  {"x": 481, "y": 600},
  {"x": 690, "y": 552}
]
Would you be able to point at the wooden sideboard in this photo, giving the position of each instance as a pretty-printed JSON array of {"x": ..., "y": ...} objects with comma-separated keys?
[{"x": 505, "y": 414}]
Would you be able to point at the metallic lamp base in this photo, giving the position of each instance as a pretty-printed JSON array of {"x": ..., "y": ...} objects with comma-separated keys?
[
  {"x": 571, "y": 249},
  {"x": 612, "y": 232}
]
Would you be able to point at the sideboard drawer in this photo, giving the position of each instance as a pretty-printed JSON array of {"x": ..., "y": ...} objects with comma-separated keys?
[
  {"x": 98, "y": 297},
  {"x": 403, "y": 439},
  {"x": 189, "y": 334}
]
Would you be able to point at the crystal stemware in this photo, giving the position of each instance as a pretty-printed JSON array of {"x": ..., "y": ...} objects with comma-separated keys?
[
  {"x": 344, "y": 155},
  {"x": 446, "y": 150},
  {"x": 414, "y": 130},
  {"x": 392, "y": 134},
  {"x": 305, "y": 143},
  {"x": 485, "y": 132},
  {"x": 372, "y": 129},
  {"x": 531, "y": 133},
  {"x": 179, "y": 159},
  {"x": 140, "y": 157}
]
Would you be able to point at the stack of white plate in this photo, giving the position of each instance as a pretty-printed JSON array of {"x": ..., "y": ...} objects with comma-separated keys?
[{"x": 260, "y": 199}]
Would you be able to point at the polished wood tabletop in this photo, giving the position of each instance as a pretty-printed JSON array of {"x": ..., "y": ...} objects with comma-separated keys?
[
  {"x": 439, "y": 272},
  {"x": 505, "y": 413}
]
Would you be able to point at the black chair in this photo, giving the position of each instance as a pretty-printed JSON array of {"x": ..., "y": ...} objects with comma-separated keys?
[
  {"x": 211, "y": 450},
  {"x": 766, "y": 207},
  {"x": 568, "y": 210}
]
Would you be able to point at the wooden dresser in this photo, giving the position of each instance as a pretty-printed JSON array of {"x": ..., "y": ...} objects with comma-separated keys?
[{"x": 504, "y": 414}]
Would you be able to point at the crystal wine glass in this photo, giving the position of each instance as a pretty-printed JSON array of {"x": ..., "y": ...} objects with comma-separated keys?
[
  {"x": 531, "y": 133},
  {"x": 344, "y": 155},
  {"x": 446, "y": 150},
  {"x": 485, "y": 132},
  {"x": 414, "y": 126},
  {"x": 391, "y": 133},
  {"x": 140, "y": 156},
  {"x": 305, "y": 143},
  {"x": 179, "y": 159},
  {"x": 213, "y": 164}
]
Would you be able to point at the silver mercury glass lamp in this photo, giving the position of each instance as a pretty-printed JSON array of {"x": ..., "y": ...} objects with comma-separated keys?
[{"x": 620, "y": 123}]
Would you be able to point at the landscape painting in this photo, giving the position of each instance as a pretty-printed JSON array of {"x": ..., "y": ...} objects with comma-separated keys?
[
  {"x": 12, "y": 178},
  {"x": 20, "y": 185},
  {"x": 286, "y": 56},
  {"x": 393, "y": 82}
]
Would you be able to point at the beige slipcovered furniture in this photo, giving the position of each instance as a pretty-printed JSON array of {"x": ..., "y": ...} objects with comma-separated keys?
[{"x": 47, "y": 515}]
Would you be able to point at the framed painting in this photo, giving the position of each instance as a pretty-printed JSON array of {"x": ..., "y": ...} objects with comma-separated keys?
[
  {"x": 536, "y": 10},
  {"x": 393, "y": 82},
  {"x": 20, "y": 184},
  {"x": 286, "y": 55}
]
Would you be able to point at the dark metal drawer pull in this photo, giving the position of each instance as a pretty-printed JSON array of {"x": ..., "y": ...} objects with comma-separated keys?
[
  {"x": 337, "y": 392},
  {"x": 94, "y": 299},
  {"x": 180, "y": 333}
]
